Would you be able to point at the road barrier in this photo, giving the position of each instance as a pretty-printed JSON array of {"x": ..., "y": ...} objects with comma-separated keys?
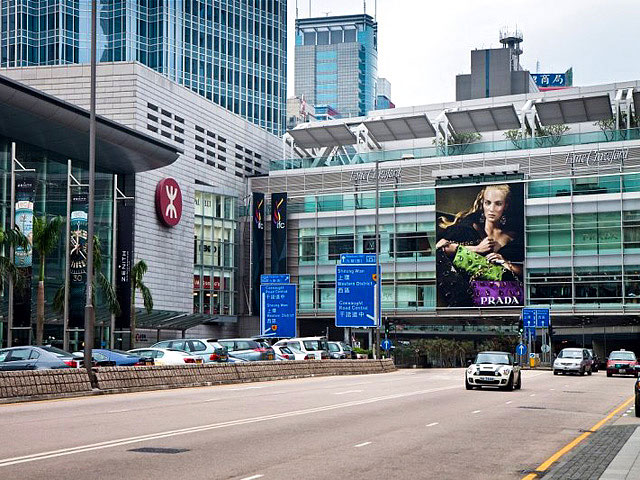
[
  {"x": 44, "y": 384},
  {"x": 34, "y": 385}
]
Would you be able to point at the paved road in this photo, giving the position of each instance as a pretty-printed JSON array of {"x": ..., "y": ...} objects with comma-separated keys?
[{"x": 408, "y": 424}]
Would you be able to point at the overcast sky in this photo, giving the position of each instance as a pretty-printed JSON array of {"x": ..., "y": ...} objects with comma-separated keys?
[{"x": 423, "y": 44}]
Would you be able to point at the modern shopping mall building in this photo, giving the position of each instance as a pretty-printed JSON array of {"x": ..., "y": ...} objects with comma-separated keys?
[{"x": 571, "y": 160}]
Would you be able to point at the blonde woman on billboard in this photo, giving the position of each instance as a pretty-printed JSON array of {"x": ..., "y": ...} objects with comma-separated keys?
[{"x": 479, "y": 245}]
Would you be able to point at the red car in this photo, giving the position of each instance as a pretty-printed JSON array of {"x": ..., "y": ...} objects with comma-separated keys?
[{"x": 622, "y": 362}]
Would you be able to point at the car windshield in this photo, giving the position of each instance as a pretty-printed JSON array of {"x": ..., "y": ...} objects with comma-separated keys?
[
  {"x": 313, "y": 345},
  {"x": 333, "y": 347},
  {"x": 294, "y": 349},
  {"x": 499, "y": 358},
  {"x": 622, "y": 356},
  {"x": 570, "y": 354}
]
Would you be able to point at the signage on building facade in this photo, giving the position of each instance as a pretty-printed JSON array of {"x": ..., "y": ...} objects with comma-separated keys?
[
  {"x": 169, "y": 202},
  {"x": 124, "y": 259},
  {"x": 369, "y": 176},
  {"x": 597, "y": 158},
  {"x": 24, "y": 201},
  {"x": 257, "y": 249},
  {"x": 278, "y": 233},
  {"x": 78, "y": 259}
]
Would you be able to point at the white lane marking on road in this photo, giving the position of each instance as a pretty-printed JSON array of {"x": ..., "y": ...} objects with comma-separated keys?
[
  {"x": 476, "y": 411},
  {"x": 348, "y": 391},
  {"x": 536, "y": 375},
  {"x": 552, "y": 389},
  {"x": 253, "y": 477},
  {"x": 5, "y": 462},
  {"x": 243, "y": 388},
  {"x": 362, "y": 445},
  {"x": 510, "y": 401},
  {"x": 120, "y": 411},
  {"x": 212, "y": 400},
  {"x": 432, "y": 424},
  {"x": 532, "y": 395}
]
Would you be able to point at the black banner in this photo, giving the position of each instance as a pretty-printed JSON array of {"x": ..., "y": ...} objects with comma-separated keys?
[
  {"x": 124, "y": 259},
  {"x": 25, "y": 193},
  {"x": 78, "y": 260},
  {"x": 278, "y": 233},
  {"x": 257, "y": 249}
]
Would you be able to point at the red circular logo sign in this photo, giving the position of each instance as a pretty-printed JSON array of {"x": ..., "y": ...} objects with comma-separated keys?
[{"x": 169, "y": 201}]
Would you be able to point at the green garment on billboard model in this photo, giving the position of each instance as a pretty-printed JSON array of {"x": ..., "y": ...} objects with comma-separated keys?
[{"x": 477, "y": 266}]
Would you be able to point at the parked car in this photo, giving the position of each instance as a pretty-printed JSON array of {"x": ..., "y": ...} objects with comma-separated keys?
[
  {"x": 120, "y": 358},
  {"x": 247, "y": 349},
  {"x": 595, "y": 366},
  {"x": 575, "y": 360},
  {"x": 316, "y": 347},
  {"x": 339, "y": 350},
  {"x": 494, "y": 369},
  {"x": 167, "y": 356},
  {"x": 622, "y": 362},
  {"x": 67, "y": 357},
  {"x": 29, "y": 358},
  {"x": 207, "y": 349},
  {"x": 285, "y": 353}
]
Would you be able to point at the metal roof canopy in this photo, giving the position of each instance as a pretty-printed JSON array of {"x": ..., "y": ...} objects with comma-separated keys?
[
  {"x": 489, "y": 119},
  {"x": 318, "y": 136},
  {"x": 636, "y": 102},
  {"x": 574, "y": 110},
  {"x": 34, "y": 117},
  {"x": 401, "y": 128}
]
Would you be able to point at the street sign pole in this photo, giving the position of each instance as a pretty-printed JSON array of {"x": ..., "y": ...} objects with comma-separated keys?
[{"x": 378, "y": 286}]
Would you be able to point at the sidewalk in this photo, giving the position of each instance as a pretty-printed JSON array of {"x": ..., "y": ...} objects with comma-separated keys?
[{"x": 611, "y": 453}]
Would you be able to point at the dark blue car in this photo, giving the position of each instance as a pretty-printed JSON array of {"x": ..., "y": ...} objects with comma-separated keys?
[{"x": 103, "y": 356}]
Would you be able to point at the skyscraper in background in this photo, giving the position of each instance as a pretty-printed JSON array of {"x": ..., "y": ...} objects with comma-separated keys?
[
  {"x": 229, "y": 51},
  {"x": 336, "y": 63}
]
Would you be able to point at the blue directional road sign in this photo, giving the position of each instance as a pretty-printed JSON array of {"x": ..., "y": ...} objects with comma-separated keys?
[
  {"x": 283, "y": 278},
  {"x": 386, "y": 344},
  {"x": 357, "y": 258},
  {"x": 535, "y": 317},
  {"x": 521, "y": 349},
  {"x": 278, "y": 310},
  {"x": 355, "y": 293}
]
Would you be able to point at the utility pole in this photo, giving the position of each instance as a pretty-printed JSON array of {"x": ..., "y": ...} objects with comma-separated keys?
[
  {"x": 89, "y": 311},
  {"x": 378, "y": 300}
]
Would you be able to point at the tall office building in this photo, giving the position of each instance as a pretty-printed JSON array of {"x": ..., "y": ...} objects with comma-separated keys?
[
  {"x": 229, "y": 51},
  {"x": 336, "y": 63}
]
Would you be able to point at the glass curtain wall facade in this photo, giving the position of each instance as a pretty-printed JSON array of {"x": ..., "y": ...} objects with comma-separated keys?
[
  {"x": 232, "y": 52},
  {"x": 337, "y": 63},
  {"x": 582, "y": 244},
  {"x": 215, "y": 247},
  {"x": 51, "y": 200}
]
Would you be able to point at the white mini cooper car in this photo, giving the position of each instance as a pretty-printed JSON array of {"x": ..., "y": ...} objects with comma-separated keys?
[{"x": 493, "y": 369}]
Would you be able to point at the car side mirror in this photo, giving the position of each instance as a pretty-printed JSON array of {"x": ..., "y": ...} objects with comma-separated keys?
[{"x": 469, "y": 362}]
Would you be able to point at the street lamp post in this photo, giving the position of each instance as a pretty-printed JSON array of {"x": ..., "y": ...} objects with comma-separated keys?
[{"x": 89, "y": 312}]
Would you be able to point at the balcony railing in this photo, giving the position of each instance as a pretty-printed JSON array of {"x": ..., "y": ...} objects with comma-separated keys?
[{"x": 463, "y": 149}]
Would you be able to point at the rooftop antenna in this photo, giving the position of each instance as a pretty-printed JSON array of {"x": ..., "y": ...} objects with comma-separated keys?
[
  {"x": 326, "y": 14},
  {"x": 512, "y": 39},
  {"x": 296, "y": 9},
  {"x": 365, "y": 7},
  {"x": 375, "y": 10},
  {"x": 537, "y": 66},
  {"x": 310, "y": 9}
]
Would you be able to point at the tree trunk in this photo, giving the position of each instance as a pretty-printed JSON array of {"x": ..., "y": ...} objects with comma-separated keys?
[{"x": 40, "y": 314}]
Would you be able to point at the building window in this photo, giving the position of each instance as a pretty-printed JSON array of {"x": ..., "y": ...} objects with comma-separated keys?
[{"x": 339, "y": 244}]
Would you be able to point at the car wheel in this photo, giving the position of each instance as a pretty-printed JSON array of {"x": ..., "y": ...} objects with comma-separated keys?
[
  {"x": 556, "y": 372},
  {"x": 519, "y": 384},
  {"x": 609, "y": 374},
  {"x": 509, "y": 386},
  {"x": 589, "y": 372},
  {"x": 467, "y": 385},
  {"x": 582, "y": 371}
]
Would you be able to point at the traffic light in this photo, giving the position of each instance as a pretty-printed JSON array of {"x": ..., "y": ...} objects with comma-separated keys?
[
  {"x": 386, "y": 327},
  {"x": 520, "y": 327}
]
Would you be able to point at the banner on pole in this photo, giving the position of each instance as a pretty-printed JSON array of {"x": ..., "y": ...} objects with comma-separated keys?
[
  {"x": 23, "y": 258},
  {"x": 124, "y": 259},
  {"x": 278, "y": 233},
  {"x": 257, "y": 249},
  {"x": 78, "y": 260}
]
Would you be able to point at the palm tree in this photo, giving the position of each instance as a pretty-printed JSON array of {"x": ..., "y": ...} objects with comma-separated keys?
[
  {"x": 108, "y": 292},
  {"x": 46, "y": 235},
  {"x": 137, "y": 273},
  {"x": 11, "y": 238}
]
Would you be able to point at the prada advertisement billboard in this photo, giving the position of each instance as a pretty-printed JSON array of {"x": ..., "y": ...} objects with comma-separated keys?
[
  {"x": 480, "y": 246},
  {"x": 257, "y": 249},
  {"x": 278, "y": 233}
]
